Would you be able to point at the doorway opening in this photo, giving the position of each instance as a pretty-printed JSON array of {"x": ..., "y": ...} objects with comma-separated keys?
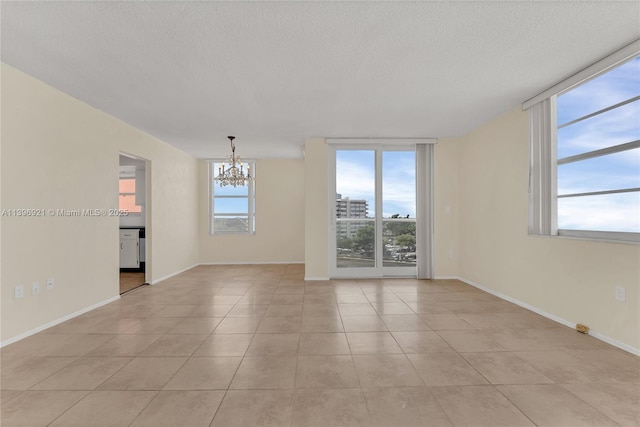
[{"x": 133, "y": 227}]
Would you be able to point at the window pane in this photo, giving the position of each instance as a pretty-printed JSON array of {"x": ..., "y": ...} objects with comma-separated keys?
[
  {"x": 615, "y": 86},
  {"x": 399, "y": 184},
  {"x": 399, "y": 243},
  {"x": 222, "y": 205},
  {"x": 355, "y": 243},
  {"x": 611, "y": 172},
  {"x": 228, "y": 190},
  {"x": 615, "y": 127},
  {"x": 231, "y": 224},
  {"x": 608, "y": 212},
  {"x": 355, "y": 183}
]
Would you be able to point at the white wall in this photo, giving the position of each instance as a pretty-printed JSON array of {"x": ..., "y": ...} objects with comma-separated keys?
[
  {"x": 279, "y": 236},
  {"x": 568, "y": 278},
  {"x": 59, "y": 153}
]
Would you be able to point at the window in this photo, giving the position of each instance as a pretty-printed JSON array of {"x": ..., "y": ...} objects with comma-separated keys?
[
  {"x": 127, "y": 199},
  {"x": 232, "y": 208},
  {"x": 585, "y": 158},
  {"x": 598, "y": 154},
  {"x": 380, "y": 224}
]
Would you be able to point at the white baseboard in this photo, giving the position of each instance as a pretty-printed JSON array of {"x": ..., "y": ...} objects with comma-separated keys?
[
  {"x": 553, "y": 317},
  {"x": 519, "y": 303},
  {"x": 615, "y": 343},
  {"x": 58, "y": 321},
  {"x": 168, "y": 276},
  {"x": 316, "y": 278},
  {"x": 252, "y": 263}
]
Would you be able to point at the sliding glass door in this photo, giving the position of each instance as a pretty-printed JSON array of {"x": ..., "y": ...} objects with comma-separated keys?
[
  {"x": 373, "y": 231},
  {"x": 355, "y": 210},
  {"x": 399, "y": 213}
]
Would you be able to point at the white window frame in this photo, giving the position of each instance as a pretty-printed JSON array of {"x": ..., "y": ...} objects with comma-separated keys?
[
  {"x": 543, "y": 162},
  {"x": 251, "y": 201}
]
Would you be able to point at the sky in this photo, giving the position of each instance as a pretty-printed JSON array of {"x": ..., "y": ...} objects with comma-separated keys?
[
  {"x": 223, "y": 205},
  {"x": 612, "y": 212},
  {"x": 355, "y": 177}
]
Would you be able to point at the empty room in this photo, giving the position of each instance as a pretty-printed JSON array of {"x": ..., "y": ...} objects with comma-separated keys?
[{"x": 320, "y": 213}]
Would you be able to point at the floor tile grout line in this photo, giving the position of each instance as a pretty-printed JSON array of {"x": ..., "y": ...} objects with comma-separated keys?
[
  {"x": 228, "y": 389},
  {"x": 54, "y": 373},
  {"x": 145, "y": 407},
  {"x": 226, "y": 392},
  {"x": 69, "y": 408},
  {"x": 515, "y": 406},
  {"x": 562, "y": 386},
  {"x": 439, "y": 404}
]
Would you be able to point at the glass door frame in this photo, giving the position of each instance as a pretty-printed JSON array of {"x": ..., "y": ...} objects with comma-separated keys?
[{"x": 378, "y": 270}]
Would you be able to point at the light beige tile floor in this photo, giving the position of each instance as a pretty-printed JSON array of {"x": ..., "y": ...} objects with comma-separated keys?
[
  {"x": 130, "y": 281},
  {"x": 258, "y": 346}
]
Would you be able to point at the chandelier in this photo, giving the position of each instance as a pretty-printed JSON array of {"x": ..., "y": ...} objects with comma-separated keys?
[{"x": 233, "y": 172}]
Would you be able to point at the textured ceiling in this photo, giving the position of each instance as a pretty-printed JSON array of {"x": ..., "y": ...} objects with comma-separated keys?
[{"x": 274, "y": 73}]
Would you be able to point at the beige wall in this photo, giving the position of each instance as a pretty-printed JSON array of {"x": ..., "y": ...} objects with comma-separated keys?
[
  {"x": 279, "y": 236},
  {"x": 445, "y": 208},
  {"x": 58, "y": 153},
  {"x": 571, "y": 279},
  {"x": 316, "y": 225}
]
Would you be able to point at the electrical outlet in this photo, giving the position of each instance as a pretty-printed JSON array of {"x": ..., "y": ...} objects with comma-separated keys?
[
  {"x": 35, "y": 288},
  {"x": 50, "y": 284},
  {"x": 621, "y": 293},
  {"x": 19, "y": 292},
  {"x": 450, "y": 253}
]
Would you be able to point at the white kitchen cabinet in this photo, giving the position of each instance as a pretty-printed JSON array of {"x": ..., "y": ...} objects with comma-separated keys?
[{"x": 130, "y": 248}]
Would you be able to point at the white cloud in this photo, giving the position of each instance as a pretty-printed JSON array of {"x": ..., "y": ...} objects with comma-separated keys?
[
  {"x": 613, "y": 212},
  {"x": 355, "y": 180},
  {"x": 612, "y": 172},
  {"x": 614, "y": 127}
]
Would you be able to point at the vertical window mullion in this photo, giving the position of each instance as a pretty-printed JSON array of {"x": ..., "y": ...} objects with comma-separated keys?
[
  {"x": 211, "y": 197},
  {"x": 378, "y": 219},
  {"x": 251, "y": 208},
  {"x": 553, "y": 171}
]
